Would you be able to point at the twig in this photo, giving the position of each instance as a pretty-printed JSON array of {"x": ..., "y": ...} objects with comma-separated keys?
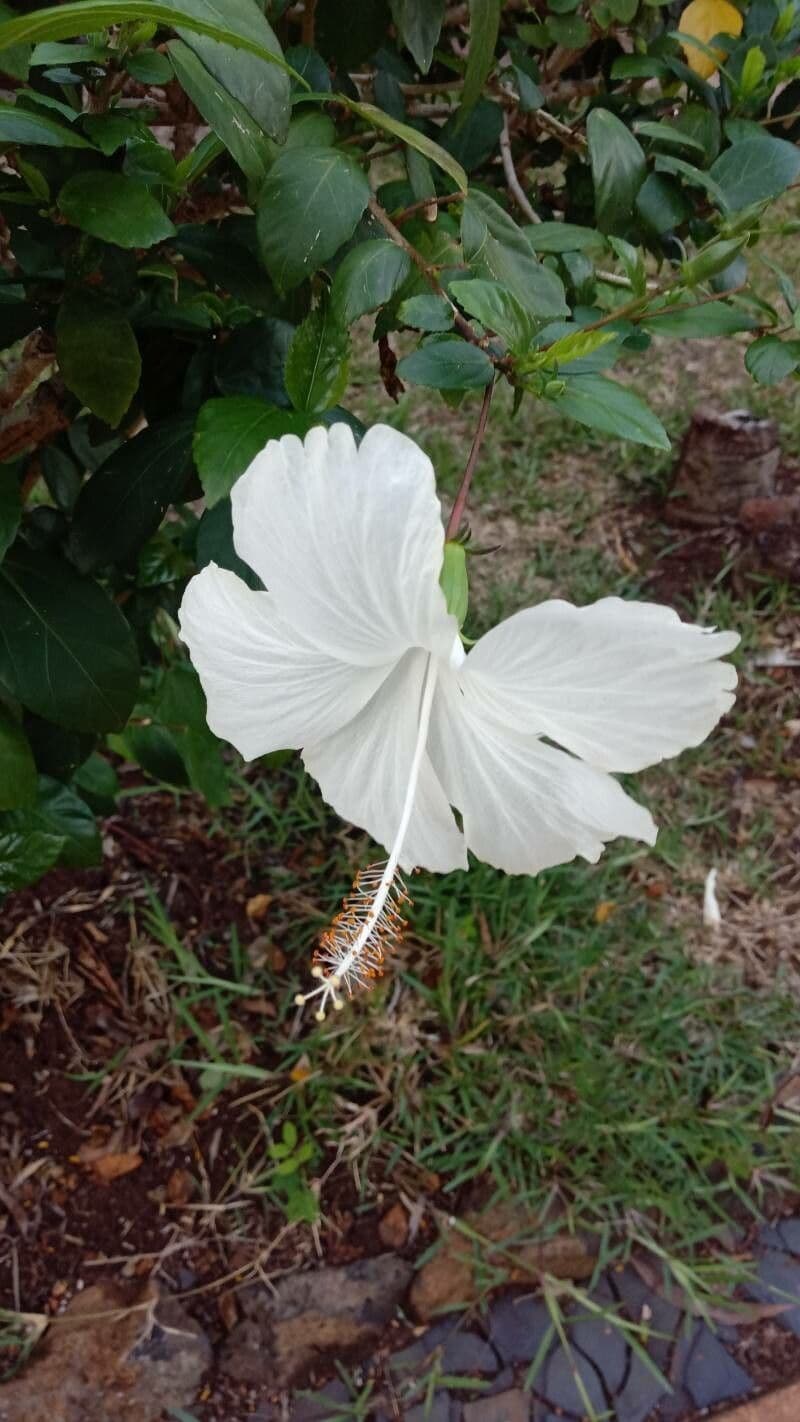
[
  {"x": 424, "y": 203},
  {"x": 454, "y": 522},
  {"x": 511, "y": 174}
]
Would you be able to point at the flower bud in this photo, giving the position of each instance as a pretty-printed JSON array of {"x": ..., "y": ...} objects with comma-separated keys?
[{"x": 454, "y": 581}]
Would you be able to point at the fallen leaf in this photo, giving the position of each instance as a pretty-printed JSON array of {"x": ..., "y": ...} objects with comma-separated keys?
[
  {"x": 257, "y": 907},
  {"x": 112, "y": 1167},
  {"x": 228, "y": 1310},
  {"x": 393, "y": 1227},
  {"x": 179, "y": 1187},
  {"x": 302, "y": 1071},
  {"x": 604, "y": 910}
]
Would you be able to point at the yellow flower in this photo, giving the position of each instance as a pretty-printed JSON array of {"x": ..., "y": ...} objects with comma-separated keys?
[{"x": 702, "y": 20}]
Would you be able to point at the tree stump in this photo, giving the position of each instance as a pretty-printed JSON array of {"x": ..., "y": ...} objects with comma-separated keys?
[{"x": 726, "y": 458}]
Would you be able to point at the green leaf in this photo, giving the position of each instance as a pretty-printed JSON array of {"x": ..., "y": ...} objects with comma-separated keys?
[
  {"x": 83, "y": 16},
  {"x": 310, "y": 203},
  {"x": 148, "y": 66},
  {"x": 563, "y": 237},
  {"x": 15, "y": 62},
  {"x": 124, "y": 501},
  {"x": 262, "y": 90},
  {"x": 755, "y": 169},
  {"x": 368, "y": 277},
  {"x": 114, "y": 208},
  {"x": 662, "y": 204},
  {"x": 24, "y": 858},
  {"x": 230, "y": 433},
  {"x": 715, "y": 259},
  {"x": 317, "y": 362},
  {"x": 10, "y": 510},
  {"x": 670, "y": 137},
  {"x": 714, "y": 318},
  {"x": 246, "y": 142},
  {"x": 156, "y": 750},
  {"x": 447, "y": 365},
  {"x": 426, "y": 313},
  {"x": 496, "y": 309},
  {"x": 376, "y": 118},
  {"x": 484, "y": 25},
  {"x": 418, "y": 23},
  {"x": 111, "y": 131},
  {"x": 97, "y": 353},
  {"x": 770, "y": 360},
  {"x": 618, "y": 170},
  {"x": 604, "y": 405},
  {"x": 66, "y": 651},
  {"x": 98, "y": 783},
  {"x": 215, "y": 544},
  {"x": 495, "y": 247},
  {"x": 59, "y": 812},
  {"x": 182, "y": 709},
  {"x": 17, "y": 765},
  {"x": 23, "y": 126}
]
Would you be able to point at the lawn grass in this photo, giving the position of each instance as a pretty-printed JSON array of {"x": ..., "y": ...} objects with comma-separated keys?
[{"x": 568, "y": 1040}]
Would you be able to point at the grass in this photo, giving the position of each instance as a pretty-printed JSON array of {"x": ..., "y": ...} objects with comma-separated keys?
[{"x": 561, "y": 1040}]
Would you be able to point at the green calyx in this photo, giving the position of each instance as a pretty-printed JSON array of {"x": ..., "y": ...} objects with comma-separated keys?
[{"x": 454, "y": 580}]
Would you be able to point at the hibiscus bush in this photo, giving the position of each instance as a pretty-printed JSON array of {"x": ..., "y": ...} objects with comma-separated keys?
[{"x": 200, "y": 198}]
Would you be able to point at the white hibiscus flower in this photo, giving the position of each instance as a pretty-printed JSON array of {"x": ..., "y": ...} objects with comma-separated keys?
[{"x": 352, "y": 657}]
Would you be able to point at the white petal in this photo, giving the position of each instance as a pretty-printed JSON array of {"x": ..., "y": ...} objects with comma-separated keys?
[
  {"x": 349, "y": 541},
  {"x": 525, "y": 805},
  {"x": 363, "y": 772},
  {"x": 621, "y": 684},
  {"x": 267, "y": 687}
]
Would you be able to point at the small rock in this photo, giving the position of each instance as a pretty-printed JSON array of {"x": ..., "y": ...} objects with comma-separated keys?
[
  {"x": 439, "y": 1409},
  {"x": 603, "y": 1341},
  {"x": 449, "y": 1277},
  {"x": 511, "y": 1406},
  {"x": 311, "y": 1315},
  {"x": 121, "y": 1367},
  {"x": 790, "y": 1233},
  {"x": 393, "y": 1227},
  {"x": 641, "y": 1392},
  {"x": 328, "y": 1403},
  {"x": 780, "y": 1406},
  {"x": 707, "y": 1370}
]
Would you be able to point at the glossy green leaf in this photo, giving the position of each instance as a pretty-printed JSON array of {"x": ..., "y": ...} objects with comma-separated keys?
[
  {"x": 310, "y": 203},
  {"x": 755, "y": 169},
  {"x": 496, "y": 248},
  {"x": 376, "y": 118},
  {"x": 109, "y": 132},
  {"x": 317, "y": 362},
  {"x": 368, "y": 277},
  {"x": 148, "y": 66},
  {"x": 426, "y": 312},
  {"x": 447, "y": 365},
  {"x": 418, "y": 24},
  {"x": 713, "y": 318},
  {"x": 97, "y": 353},
  {"x": 563, "y": 237},
  {"x": 605, "y": 405},
  {"x": 15, "y": 61},
  {"x": 23, "y": 126},
  {"x": 66, "y": 651},
  {"x": 484, "y": 26},
  {"x": 662, "y": 204},
  {"x": 262, "y": 90},
  {"x": 82, "y": 16},
  {"x": 244, "y": 139},
  {"x": 24, "y": 858},
  {"x": 770, "y": 360},
  {"x": 17, "y": 766},
  {"x": 114, "y": 208},
  {"x": 230, "y": 432},
  {"x": 124, "y": 501},
  {"x": 62, "y": 814},
  {"x": 618, "y": 170},
  {"x": 496, "y": 309},
  {"x": 215, "y": 544}
]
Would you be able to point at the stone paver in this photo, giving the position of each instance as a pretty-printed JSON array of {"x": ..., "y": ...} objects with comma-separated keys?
[
  {"x": 779, "y": 1283},
  {"x": 511, "y": 1406},
  {"x": 599, "y": 1369},
  {"x": 517, "y": 1327},
  {"x": 709, "y": 1373}
]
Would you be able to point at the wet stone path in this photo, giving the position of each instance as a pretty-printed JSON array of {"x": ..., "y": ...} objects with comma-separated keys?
[{"x": 511, "y": 1366}]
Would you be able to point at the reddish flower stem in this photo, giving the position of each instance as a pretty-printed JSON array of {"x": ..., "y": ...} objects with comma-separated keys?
[{"x": 457, "y": 515}]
